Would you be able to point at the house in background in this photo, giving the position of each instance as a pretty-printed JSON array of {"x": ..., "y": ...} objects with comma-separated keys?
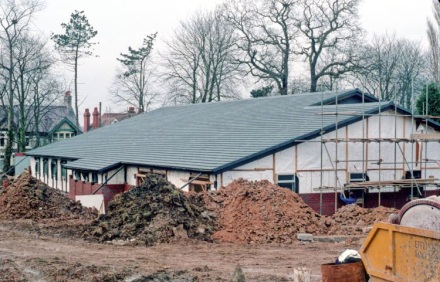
[
  {"x": 56, "y": 123},
  {"x": 316, "y": 144},
  {"x": 112, "y": 118},
  {"x": 104, "y": 119}
]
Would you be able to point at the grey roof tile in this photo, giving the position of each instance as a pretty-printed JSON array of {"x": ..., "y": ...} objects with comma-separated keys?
[{"x": 201, "y": 137}]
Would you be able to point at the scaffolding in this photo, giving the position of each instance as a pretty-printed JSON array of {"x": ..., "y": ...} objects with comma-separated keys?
[{"x": 413, "y": 183}]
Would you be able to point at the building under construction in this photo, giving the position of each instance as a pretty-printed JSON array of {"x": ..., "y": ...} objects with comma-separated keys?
[{"x": 316, "y": 144}]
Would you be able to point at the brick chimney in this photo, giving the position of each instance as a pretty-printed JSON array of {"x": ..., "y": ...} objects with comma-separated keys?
[
  {"x": 131, "y": 110},
  {"x": 86, "y": 120},
  {"x": 68, "y": 100},
  {"x": 95, "y": 118}
]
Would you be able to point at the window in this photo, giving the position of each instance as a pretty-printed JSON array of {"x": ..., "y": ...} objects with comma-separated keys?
[
  {"x": 94, "y": 177},
  {"x": 200, "y": 184},
  {"x": 77, "y": 175},
  {"x": 358, "y": 177},
  {"x": 61, "y": 135},
  {"x": 63, "y": 170},
  {"x": 416, "y": 174},
  {"x": 289, "y": 181},
  {"x": 85, "y": 176},
  {"x": 37, "y": 167},
  {"x": 54, "y": 169},
  {"x": 45, "y": 166}
]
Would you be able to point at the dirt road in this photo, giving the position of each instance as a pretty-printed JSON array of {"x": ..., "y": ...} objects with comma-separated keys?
[{"x": 27, "y": 254}]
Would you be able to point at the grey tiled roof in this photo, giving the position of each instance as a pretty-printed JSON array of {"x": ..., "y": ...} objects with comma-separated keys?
[
  {"x": 50, "y": 117},
  {"x": 203, "y": 137}
]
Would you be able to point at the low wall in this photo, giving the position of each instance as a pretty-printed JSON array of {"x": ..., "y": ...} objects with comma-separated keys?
[
  {"x": 371, "y": 200},
  {"x": 80, "y": 188}
]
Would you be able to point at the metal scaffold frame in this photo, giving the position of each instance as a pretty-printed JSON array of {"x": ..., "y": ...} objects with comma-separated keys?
[{"x": 407, "y": 165}]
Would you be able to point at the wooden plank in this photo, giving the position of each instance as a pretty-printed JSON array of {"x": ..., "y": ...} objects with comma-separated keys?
[
  {"x": 425, "y": 136},
  {"x": 400, "y": 183},
  {"x": 198, "y": 182},
  {"x": 252, "y": 169}
]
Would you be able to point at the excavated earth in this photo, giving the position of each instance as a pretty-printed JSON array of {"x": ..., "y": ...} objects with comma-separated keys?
[
  {"x": 191, "y": 237},
  {"x": 261, "y": 212},
  {"x": 29, "y": 198},
  {"x": 155, "y": 212},
  {"x": 355, "y": 220}
]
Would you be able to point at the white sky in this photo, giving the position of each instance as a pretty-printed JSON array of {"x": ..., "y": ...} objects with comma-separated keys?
[{"x": 125, "y": 23}]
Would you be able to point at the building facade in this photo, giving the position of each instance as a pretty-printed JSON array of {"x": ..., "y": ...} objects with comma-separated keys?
[
  {"x": 316, "y": 144},
  {"x": 55, "y": 123}
]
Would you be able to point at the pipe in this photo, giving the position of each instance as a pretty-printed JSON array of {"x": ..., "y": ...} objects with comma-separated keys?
[
  {"x": 102, "y": 185},
  {"x": 189, "y": 182}
]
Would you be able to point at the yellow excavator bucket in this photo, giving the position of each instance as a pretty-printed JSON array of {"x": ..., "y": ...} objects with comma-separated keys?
[{"x": 400, "y": 253}]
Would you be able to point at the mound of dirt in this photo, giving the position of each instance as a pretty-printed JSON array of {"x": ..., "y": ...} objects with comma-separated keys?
[
  {"x": 351, "y": 219},
  {"x": 261, "y": 212},
  {"x": 155, "y": 212},
  {"x": 29, "y": 198}
]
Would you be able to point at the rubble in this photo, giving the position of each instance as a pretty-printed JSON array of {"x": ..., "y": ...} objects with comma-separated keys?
[
  {"x": 355, "y": 220},
  {"x": 29, "y": 198},
  {"x": 158, "y": 212},
  {"x": 261, "y": 212},
  {"x": 155, "y": 212}
]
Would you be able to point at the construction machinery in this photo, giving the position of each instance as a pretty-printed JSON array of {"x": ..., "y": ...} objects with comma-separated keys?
[{"x": 408, "y": 247}]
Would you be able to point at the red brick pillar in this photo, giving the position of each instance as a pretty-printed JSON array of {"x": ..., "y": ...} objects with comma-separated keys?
[
  {"x": 86, "y": 120},
  {"x": 95, "y": 118}
]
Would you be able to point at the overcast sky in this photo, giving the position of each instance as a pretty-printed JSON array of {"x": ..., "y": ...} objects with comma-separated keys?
[{"x": 125, "y": 23}]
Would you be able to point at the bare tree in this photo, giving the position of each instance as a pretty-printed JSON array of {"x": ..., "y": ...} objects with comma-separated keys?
[
  {"x": 266, "y": 31},
  {"x": 381, "y": 61},
  {"x": 32, "y": 58},
  {"x": 46, "y": 90},
  {"x": 131, "y": 84},
  {"x": 330, "y": 34},
  {"x": 391, "y": 68},
  {"x": 198, "y": 64},
  {"x": 433, "y": 38},
  {"x": 15, "y": 17},
  {"x": 412, "y": 74}
]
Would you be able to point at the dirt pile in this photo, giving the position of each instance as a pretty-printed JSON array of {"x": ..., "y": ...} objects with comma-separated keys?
[
  {"x": 155, "y": 212},
  {"x": 29, "y": 198},
  {"x": 351, "y": 219},
  {"x": 261, "y": 212}
]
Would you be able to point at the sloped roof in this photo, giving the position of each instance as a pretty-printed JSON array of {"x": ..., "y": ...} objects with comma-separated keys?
[
  {"x": 50, "y": 117},
  {"x": 111, "y": 118},
  {"x": 211, "y": 137}
]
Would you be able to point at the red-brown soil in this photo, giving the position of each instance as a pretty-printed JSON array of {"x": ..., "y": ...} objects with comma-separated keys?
[
  {"x": 261, "y": 212},
  {"x": 352, "y": 219},
  {"x": 41, "y": 234}
]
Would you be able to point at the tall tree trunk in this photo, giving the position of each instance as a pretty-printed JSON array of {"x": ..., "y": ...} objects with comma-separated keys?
[
  {"x": 21, "y": 118},
  {"x": 76, "y": 88},
  {"x": 10, "y": 131}
]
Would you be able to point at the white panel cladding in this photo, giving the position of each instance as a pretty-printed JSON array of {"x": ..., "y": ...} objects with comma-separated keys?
[
  {"x": 131, "y": 175},
  {"x": 178, "y": 178},
  {"x": 285, "y": 161},
  {"x": 118, "y": 178},
  {"x": 263, "y": 163},
  {"x": 361, "y": 156},
  {"x": 309, "y": 162}
]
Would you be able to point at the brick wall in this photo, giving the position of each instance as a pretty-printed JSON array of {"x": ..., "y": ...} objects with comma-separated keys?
[{"x": 371, "y": 200}]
